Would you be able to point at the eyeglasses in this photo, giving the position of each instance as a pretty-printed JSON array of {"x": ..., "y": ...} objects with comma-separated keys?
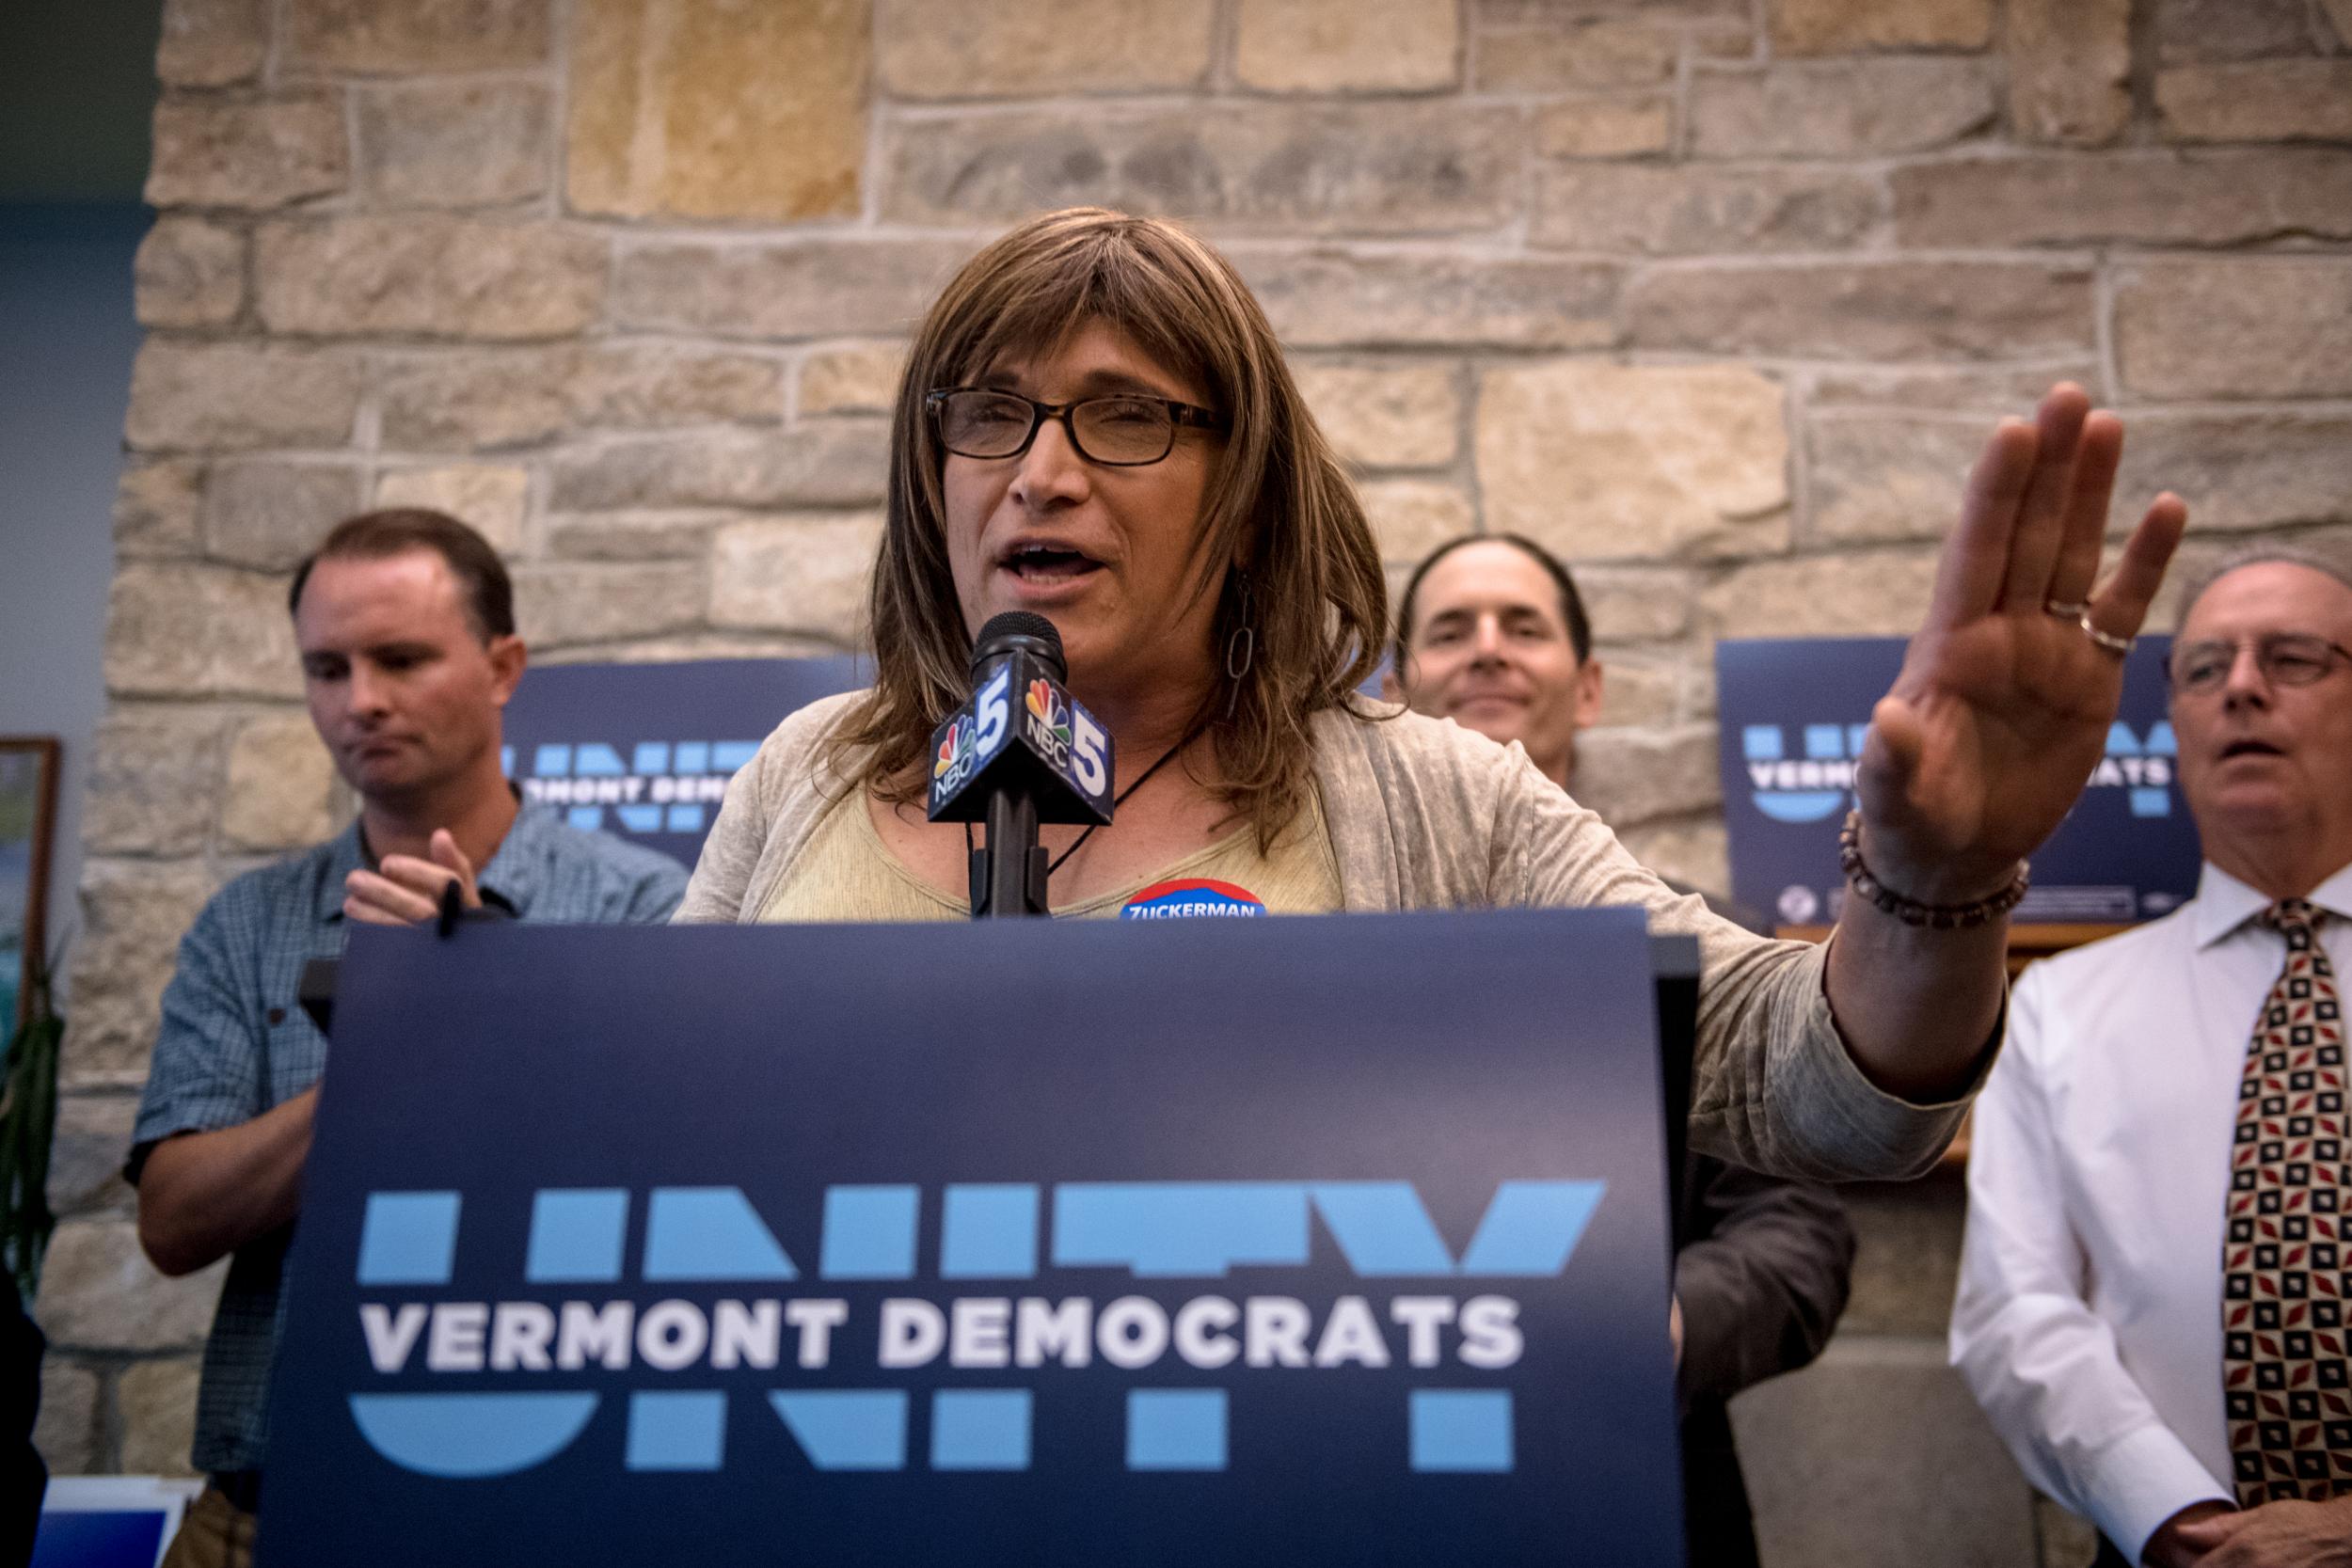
[
  {"x": 1122, "y": 432},
  {"x": 2287, "y": 658}
]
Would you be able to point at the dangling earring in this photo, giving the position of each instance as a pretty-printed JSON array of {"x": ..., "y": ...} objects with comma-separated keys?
[{"x": 1241, "y": 647}]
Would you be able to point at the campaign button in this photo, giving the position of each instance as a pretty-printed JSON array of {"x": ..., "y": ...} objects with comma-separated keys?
[{"x": 1190, "y": 899}]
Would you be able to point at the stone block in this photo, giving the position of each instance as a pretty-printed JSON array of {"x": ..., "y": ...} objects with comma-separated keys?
[
  {"x": 2239, "y": 328},
  {"x": 1693, "y": 851},
  {"x": 430, "y": 274},
  {"x": 133, "y": 914},
  {"x": 804, "y": 575},
  {"x": 261, "y": 153},
  {"x": 2153, "y": 197},
  {"x": 2231, "y": 29},
  {"x": 98, "y": 1291},
  {"x": 198, "y": 631},
  {"x": 836, "y": 463},
  {"x": 2070, "y": 69},
  {"x": 1335, "y": 298},
  {"x": 455, "y": 144},
  {"x": 1640, "y": 688},
  {"x": 1349, "y": 45},
  {"x": 67, "y": 1432},
  {"x": 1697, "y": 208},
  {"x": 1877, "y": 478},
  {"x": 281, "y": 786},
  {"x": 210, "y": 43},
  {"x": 268, "y": 514},
  {"x": 1858, "y": 593},
  {"x": 855, "y": 378},
  {"x": 189, "y": 273},
  {"x": 1412, "y": 516},
  {"x": 156, "y": 507},
  {"x": 1866, "y": 310},
  {"x": 1403, "y": 416},
  {"x": 1851, "y": 26},
  {"x": 488, "y": 498},
  {"x": 1906, "y": 1254},
  {"x": 1395, "y": 167},
  {"x": 1846, "y": 109},
  {"x": 389, "y": 37},
  {"x": 1614, "y": 126},
  {"x": 1039, "y": 48},
  {"x": 556, "y": 605},
  {"x": 2257, "y": 101},
  {"x": 93, "y": 1137},
  {"x": 634, "y": 535},
  {"x": 484, "y": 398},
  {"x": 156, "y": 1403},
  {"x": 1949, "y": 389},
  {"x": 1598, "y": 462},
  {"x": 710, "y": 109},
  {"x": 2237, "y": 472},
  {"x": 1605, "y": 52},
  {"x": 1877, "y": 1454},
  {"x": 1632, "y": 776},
  {"x": 815, "y": 288},
  {"x": 1698, "y": 14},
  {"x": 228, "y": 396},
  {"x": 155, "y": 781},
  {"x": 1635, "y": 604}
]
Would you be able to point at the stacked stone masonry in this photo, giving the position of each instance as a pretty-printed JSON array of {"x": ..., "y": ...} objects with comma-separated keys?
[{"x": 1715, "y": 296}]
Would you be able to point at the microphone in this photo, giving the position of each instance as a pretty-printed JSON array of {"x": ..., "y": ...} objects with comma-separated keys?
[{"x": 1020, "y": 753}]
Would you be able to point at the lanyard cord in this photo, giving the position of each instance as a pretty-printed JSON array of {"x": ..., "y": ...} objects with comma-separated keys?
[{"x": 1117, "y": 801}]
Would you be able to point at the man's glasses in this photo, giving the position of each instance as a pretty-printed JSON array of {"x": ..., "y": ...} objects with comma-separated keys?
[
  {"x": 2288, "y": 658},
  {"x": 1124, "y": 432}
]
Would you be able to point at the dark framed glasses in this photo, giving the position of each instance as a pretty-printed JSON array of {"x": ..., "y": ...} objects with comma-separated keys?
[
  {"x": 2285, "y": 659},
  {"x": 1123, "y": 431}
]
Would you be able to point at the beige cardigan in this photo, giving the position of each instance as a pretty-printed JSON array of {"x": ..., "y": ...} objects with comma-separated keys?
[{"x": 1425, "y": 815}]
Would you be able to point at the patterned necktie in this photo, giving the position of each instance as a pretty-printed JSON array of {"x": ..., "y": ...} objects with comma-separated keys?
[{"x": 2285, "y": 1279}]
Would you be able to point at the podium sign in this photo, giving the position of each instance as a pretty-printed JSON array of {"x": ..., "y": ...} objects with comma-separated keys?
[{"x": 1328, "y": 1239}]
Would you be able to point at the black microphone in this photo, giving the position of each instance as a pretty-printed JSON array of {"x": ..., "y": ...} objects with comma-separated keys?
[{"x": 1020, "y": 753}]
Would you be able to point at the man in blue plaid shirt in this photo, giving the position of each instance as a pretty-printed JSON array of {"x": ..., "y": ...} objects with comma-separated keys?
[{"x": 406, "y": 623}]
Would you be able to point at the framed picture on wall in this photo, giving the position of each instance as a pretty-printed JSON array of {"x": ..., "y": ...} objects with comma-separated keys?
[{"x": 28, "y": 809}]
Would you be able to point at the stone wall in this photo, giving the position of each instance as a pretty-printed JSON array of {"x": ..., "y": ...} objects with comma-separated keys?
[{"x": 1714, "y": 295}]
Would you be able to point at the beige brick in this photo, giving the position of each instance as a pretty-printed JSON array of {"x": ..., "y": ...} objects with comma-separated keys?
[
  {"x": 1039, "y": 48},
  {"x": 1692, "y": 851},
  {"x": 269, "y": 515},
  {"x": 156, "y": 1401},
  {"x": 1394, "y": 168},
  {"x": 2239, "y": 471},
  {"x": 796, "y": 288},
  {"x": 1868, "y": 310},
  {"x": 156, "y": 506},
  {"x": 1612, "y": 51},
  {"x": 1349, "y": 45},
  {"x": 484, "y": 398},
  {"x": 1701, "y": 15},
  {"x": 2231, "y": 29},
  {"x": 1689, "y": 208},
  {"x": 189, "y": 273},
  {"x": 1851, "y": 108},
  {"x": 67, "y": 1434},
  {"x": 282, "y": 785},
  {"x": 1598, "y": 462},
  {"x": 155, "y": 781},
  {"x": 2070, "y": 69},
  {"x": 1877, "y": 478},
  {"x": 393, "y": 36},
  {"x": 804, "y": 575},
  {"x": 1632, "y": 776},
  {"x": 232, "y": 395},
  {"x": 133, "y": 914},
  {"x": 1623, "y": 126},
  {"x": 1639, "y": 687},
  {"x": 2237, "y": 328},
  {"x": 1404, "y": 416},
  {"x": 1412, "y": 516},
  {"x": 266, "y": 154},
  {"x": 455, "y": 144},
  {"x": 1635, "y": 604},
  {"x": 1863, "y": 594},
  {"x": 2156, "y": 198},
  {"x": 430, "y": 274},
  {"x": 836, "y": 463},
  {"x": 2257, "y": 101},
  {"x": 93, "y": 1137},
  {"x": 487, "y": 498},
  {"x": 708, "y": 109},
  {"x": 198, "y": 631},
  {"x": 98, "y": 1291},
  {"x": 857, "y": 378},
  {"x": 1335, "y": 298},
  {"x": 210, "y": 43},
  {"x": 555, "y": 605},
  {"x": 634, "y": 535},
  {"x": 1949, "y": 389},
  {"x": 1847, "y": 26}
]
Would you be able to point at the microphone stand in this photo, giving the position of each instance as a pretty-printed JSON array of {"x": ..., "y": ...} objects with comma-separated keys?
[{"x": 1008, "y": 871}]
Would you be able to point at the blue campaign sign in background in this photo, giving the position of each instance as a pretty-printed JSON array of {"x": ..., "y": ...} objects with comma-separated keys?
[
  {"x": 644, "y": 750},
  {"x": 1327, "y": 1240},
  {"x": 1794, "y": 714}
]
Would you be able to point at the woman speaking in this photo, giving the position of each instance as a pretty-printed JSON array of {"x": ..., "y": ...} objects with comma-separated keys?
[{"x": 1097, "y": 425}]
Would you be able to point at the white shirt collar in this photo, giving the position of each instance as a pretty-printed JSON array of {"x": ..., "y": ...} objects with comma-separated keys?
[{"x": 2224, "y": 902}]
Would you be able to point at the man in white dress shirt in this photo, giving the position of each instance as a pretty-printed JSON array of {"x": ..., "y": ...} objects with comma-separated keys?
[{"x": 2132, "y": 1183}]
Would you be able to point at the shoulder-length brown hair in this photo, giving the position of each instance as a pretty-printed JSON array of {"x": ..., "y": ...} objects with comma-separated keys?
[{"x": 1279, "y": 513}]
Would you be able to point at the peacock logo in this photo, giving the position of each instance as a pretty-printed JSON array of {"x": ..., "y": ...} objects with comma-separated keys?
[{"x": 1046, "y": 705}]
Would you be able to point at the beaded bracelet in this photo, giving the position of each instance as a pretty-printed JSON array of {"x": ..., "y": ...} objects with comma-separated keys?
[{"x": 1941, "y": 917}]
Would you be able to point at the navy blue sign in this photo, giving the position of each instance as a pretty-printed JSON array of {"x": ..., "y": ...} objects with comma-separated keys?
[
  {"x": 1333, "y": 1239},
  {"x": 1794, "y": 715},
  {"x": 644, "y": 750}
]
